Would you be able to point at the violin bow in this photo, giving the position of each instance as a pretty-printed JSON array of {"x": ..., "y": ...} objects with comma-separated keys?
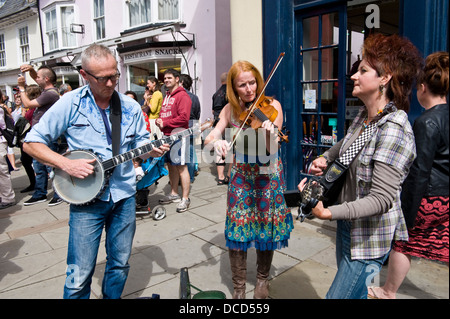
[{"x": 251, "y": 109}]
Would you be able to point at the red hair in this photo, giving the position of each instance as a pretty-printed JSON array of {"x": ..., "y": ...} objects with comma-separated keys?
[
  {"x": 235, "y": 70},
  {"x": 396, "y": 56}
]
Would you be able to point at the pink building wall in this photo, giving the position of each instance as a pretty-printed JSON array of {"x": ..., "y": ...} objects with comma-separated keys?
[{"x": 208, "y": 21}]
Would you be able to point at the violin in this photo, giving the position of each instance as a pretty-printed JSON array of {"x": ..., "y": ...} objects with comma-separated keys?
[{"x": 261, "y": 110}]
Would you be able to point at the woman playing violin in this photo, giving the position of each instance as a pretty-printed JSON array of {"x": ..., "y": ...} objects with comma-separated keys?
[{"x": 257, "y": 215}]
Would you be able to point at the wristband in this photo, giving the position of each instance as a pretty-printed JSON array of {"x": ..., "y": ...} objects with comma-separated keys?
[{"x": 326, "y": 159}]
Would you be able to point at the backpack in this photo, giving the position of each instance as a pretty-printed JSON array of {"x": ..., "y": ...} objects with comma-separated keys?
[
  {"x": 21, "y": 128},
  {"x": 8, "y": 132}
]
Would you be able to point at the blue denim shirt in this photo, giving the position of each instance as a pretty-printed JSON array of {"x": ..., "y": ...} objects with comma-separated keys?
[{"x": 77, "y": 116}]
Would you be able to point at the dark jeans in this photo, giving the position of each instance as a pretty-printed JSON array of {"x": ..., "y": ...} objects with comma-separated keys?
[
  {"x": 42, "y": 171},
  {"x": 27, "y": 163}
]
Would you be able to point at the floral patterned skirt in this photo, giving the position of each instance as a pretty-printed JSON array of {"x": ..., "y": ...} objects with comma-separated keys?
[{"x": 257, "y": 215}]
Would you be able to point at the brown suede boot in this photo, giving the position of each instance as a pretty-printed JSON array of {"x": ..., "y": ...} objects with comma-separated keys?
[
  {"x": 263, "y": 263},
  {"x": 238, "y": 262}
]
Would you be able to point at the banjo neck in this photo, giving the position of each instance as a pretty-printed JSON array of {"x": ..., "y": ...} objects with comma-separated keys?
[
  {"x": 128, "y": 156},
  {"x": 80, "y": 191}
]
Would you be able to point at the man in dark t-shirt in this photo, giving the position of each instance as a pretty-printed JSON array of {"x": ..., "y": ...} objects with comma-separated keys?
[
  {"x": 45, "y": 77},
  {"x": 219, "y": 100}
]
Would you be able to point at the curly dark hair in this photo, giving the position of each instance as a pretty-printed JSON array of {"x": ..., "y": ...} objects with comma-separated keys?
[
  {"x": 435, "y": 73},
  {"x": 398, "y": 57}
]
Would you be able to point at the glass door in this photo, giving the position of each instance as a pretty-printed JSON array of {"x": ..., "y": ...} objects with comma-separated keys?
[{"x": 321, "y": 86}]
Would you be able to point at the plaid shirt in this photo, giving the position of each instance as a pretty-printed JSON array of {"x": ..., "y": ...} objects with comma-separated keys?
[{"x": 393, "y": 144}]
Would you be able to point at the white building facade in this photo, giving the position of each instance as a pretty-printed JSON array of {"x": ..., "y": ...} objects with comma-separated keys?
[{"x": 20, "y": 40}]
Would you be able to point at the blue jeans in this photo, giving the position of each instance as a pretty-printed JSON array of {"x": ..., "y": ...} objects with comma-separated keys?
[
  {"x": 42, "y": 171},
  {"x": 40, "y": 188},
  {"x": 353, "y": 276},
  {"x": 192, "y": 164},
  {"x": 86, "y": 226}
]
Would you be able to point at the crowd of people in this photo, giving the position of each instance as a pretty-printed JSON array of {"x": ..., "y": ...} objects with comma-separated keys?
[
  {"x": 393, "y": 203},
  {"x": 30, "y": 104},
  {"x": 32, "y": 101}
]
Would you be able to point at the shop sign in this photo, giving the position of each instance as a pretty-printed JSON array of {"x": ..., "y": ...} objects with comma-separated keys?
[
  {"x": 63, "y": 70},
  {"x": 151, "y": 53}
]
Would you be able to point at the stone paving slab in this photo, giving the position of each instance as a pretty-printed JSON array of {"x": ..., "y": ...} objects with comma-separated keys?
[{"x": 33, "y": 248}]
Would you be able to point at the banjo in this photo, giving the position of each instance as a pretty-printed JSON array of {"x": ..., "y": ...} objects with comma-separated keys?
[{"x": 79, "y": 191}]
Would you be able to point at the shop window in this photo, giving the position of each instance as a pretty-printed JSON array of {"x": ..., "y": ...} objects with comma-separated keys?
[
  {"x": 319, "y": 81},
  {"x": 71, "y": 79},
  {"x": 330, "y": 52},
  {"x": 139, "y": 72},
  {"x": 163, "y": 65},
  {"x": 362, "y": 21},
  {"x": 68, "y": 75}
]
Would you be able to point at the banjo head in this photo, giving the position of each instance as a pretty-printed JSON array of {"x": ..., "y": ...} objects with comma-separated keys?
[{"x": 75, "y": 190}]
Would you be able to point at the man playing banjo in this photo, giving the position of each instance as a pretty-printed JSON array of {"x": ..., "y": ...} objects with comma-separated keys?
[{"x": 83, "y": 116}]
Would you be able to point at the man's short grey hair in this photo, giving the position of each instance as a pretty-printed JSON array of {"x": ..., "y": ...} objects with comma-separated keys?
[{"x": 95, "y": 51}]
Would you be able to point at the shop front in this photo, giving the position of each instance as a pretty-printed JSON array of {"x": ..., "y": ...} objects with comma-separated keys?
[
  {"x": 139, "y": 54},
  {"x": 67, "y": 74},
  {"x": 134, "y": 66},
  {"x": 140, "y": 64},
  {"x": 322, "y": 41}
]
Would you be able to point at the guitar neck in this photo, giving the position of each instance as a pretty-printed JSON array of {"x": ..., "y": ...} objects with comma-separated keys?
[{"x": 128, "y": 156}]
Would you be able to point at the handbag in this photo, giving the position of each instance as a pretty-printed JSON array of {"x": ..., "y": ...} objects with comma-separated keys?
[{"x": 8, "y": 131}]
